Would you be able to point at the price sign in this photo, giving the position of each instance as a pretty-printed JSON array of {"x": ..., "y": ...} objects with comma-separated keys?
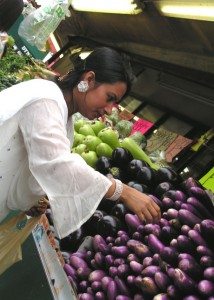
[{"x": 141, "y": 125}]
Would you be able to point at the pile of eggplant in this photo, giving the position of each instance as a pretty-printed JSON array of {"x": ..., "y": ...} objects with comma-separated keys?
[{"x": 128, "y": 259}]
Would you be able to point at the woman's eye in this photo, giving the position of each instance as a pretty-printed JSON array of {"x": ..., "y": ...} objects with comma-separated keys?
[{"x": 111, "y": 99}]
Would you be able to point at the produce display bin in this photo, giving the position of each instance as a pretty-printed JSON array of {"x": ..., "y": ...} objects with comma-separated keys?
[{"x": 39, "y": 275}]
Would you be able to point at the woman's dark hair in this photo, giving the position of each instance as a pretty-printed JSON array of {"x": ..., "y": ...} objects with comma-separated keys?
[
  {"x": 10, "y": 10},
  {"x": 108, "y": 65}
]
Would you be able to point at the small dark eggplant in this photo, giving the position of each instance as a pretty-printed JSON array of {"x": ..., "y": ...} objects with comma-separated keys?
[
  {"x": 162, "y": 188},
  {"x": 119, "y": 210},
  {"x": 121, "y": 157},
  {"x": 103, "y": 164},
  {"x": 72, "y": 241},
  {"x": 108, "y": 226},
  {"x": 147, "y": 176},
  {"x": 135, "y": 165},
  {"x": 167, "y": 174}
]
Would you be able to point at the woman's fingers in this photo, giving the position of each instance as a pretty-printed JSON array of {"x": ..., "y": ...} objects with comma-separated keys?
[{"x": 147, "y": 215}]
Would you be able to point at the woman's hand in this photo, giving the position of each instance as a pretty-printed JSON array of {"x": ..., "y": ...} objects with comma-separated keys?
[{"x": 141, "y": 204}]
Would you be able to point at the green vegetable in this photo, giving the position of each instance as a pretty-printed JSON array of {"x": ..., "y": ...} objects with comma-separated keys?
[
  {"x": 110, "y": 137},
  {"x": 140, "y": 139},
  {"x": 124, "y": 128},
  {"x": 114, "y": 116},
  {"x": 129, "y": 144}
]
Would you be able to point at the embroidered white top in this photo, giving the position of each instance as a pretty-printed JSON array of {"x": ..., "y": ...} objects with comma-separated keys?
[{"x": 35, "y": 157}]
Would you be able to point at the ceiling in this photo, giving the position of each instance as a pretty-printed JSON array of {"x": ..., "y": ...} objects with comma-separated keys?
[{"x": 177, "y": 47}]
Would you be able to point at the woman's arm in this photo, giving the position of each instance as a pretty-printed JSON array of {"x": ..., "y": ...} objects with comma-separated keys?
[{"x": 139, "y": 203}]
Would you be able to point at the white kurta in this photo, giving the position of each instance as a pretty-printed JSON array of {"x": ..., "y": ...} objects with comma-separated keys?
[{"x": 35, "y": 157}]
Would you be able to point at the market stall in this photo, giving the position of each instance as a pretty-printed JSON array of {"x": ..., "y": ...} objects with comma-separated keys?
[{"x": 153, "y": 149}]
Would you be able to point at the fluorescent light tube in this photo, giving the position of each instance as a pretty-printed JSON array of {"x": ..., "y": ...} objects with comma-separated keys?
[
  {"x": 107, "y": 6},
  {"x": 196, "y": 10}
]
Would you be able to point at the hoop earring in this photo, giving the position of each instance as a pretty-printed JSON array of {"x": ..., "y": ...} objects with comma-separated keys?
[{"x": 82, "y": 86}]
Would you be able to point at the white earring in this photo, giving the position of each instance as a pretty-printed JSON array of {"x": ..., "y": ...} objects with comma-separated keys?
[{"x": 83, "y": 86}]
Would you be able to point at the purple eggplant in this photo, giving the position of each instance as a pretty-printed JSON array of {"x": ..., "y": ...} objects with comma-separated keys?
[
  {"x": 206, "y": 288},
  {"x": 184, "y": 282},
  {"x": 204, "y": 251},
  {"x": 109, "y": 260},
  {"x": 85, "y": 296},
  {"x": 177, "y": 204},
  {"x": 82, "y": 286},
  {"x": 94, "y": 264},
  {"x": 136, "y": 267},
  {"x": 162, "y": 280},
  {"x": 196, "y": 237},
  {"x": 189, "y": 183},
  {"x": 97, "y": 241},
  {"x": 188, "y": 218},
  {"x": 167, "y": 203},
  {"x": 155, "y": 244},
  {"x": 173, "y": 292},
  {"x": 99, "y": 258},
  {"x": 163, "y": 222},
  {"x": 191, "y": 297},
  {"x": 209, "y": 273},
  {"x": 185, "y": 256},
  {"x": 207, "y": 261},
  {"x": 190, "y": 267},
  {"x": 112, "y": 290},
  {"x": 200, "y": 207},
  {"x": 147, "y": 285},
  {"x": 72, "y": 242},
  {"x": 132, "y": 221},
  {"x": 138, "y": 248},
  {"x": 147, "y": 261},
  {"x": 69, "y": 270},
  {"x": 123, "y": 270},
  {"x": 119, "y": 261},
  {"x": 152, "y": 228},
  {"x": 109, "y": 239},
  {"x": 150, "y": 271},
  {"x": 120, "y": 251},
  {"x": 132, "y": 257},
  {"x": 185, "y": 229},
  {"x": 161, "y": 296},
  {"x": 185, "y": 244},
  {"x": 207, "y": 230},
  {"x": 96, "y": 275},
  {"x": 105, "y": 281},
  {"x": 131, "y": 280},
  {"x": 99, "y": 296},
  {"x": 156, "y": 259},
  {"x": 202, "y": 196},
  {"x": 77, "y": 262},
  {"x": 174, "y": 244},
  {"x": 175, "y": 195},
  {"x": 113, "y": 271},
  {"x": 123, "y": 297},
  {"x": 96, "y": 286},
  {"x": 172, "y": 213},
  {"x": 169, "y": 255},
  {"x": 121, "y": 286},
  {"x": 83, "y": 273},
  {"x": 137, "y": 236},
  {"x": 192, "y": 209}
]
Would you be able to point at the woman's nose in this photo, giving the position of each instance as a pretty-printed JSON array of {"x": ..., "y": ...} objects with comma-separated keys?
[{"x": 108, "y": 108}]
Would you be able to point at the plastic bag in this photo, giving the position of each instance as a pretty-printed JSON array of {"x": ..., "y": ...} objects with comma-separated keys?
[
  {"x": 39, "y": 24},
  {"x": 12, "y": 234}
]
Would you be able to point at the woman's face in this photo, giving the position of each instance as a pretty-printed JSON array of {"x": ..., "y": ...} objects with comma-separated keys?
[{"x": 100, "y": 99}]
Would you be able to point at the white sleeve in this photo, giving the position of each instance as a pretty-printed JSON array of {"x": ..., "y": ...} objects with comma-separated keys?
[{"x": 74, "y": 189}]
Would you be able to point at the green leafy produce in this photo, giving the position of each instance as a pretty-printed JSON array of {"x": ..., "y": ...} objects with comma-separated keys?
[
  {"x": 114, "y": 117},
  {"x": 124, "y": 128},
  {"x": 139, "y": 138}
]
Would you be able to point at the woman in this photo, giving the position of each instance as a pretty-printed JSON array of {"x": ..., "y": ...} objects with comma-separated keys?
[{"x": 36, "y": 133}]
